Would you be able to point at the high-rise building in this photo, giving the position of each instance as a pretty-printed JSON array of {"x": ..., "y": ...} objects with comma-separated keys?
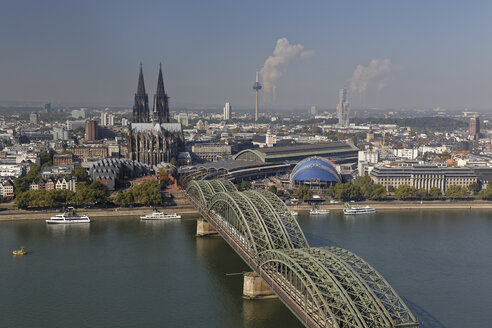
[
  {"x": 47, "y": 108},
  {"x": 110, "y": 120},
  {"x": 474, "y": 128},
  {"x": 104, "y": 118},
  {"x": 90, "y": 130},
  {"x": 313, "y": 111},
  {"x": 227, "y": 111},
  {"x": 34, "y": 118},
  {"x": 153, "y": 140},
  {"x": 124, "y": 122},
  {"x": 343, "y": 108}
]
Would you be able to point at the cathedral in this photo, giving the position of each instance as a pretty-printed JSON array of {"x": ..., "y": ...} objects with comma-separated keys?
[{"x": 152, "y": 139}]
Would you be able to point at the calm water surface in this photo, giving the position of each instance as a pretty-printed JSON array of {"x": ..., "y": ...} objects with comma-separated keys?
[{"x": 120, "y": 272}]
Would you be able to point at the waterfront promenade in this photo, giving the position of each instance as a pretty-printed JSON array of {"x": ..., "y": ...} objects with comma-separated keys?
[{"x": 15, "y": 214}]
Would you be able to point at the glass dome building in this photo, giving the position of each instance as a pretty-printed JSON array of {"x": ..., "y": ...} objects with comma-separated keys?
[{"x": 316, "y": 172}]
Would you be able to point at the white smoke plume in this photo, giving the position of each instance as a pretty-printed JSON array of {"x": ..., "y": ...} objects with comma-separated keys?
[
  {"x": 364, "y": 74},
  {"x": 274, "y": 66}
]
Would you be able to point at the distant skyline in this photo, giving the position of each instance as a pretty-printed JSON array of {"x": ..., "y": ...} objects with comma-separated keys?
[{"x": 389, "y": 54}]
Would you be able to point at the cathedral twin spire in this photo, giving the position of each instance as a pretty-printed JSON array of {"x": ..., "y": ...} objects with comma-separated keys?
[{"x": 160, "y": 112}]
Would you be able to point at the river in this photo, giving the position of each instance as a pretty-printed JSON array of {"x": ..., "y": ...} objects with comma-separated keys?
[{"x": 120, "y": 272}]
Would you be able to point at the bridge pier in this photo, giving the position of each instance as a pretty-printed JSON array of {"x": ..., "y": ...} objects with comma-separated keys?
[
  {"x": 255, "y": 288},
  {"x": 203, "y": 228}
]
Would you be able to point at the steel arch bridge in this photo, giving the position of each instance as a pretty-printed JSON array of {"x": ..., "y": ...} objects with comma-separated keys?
[{"x": 323, "y": 287}]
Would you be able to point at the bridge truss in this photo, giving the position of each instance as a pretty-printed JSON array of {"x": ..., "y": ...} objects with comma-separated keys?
[{"x": 322, "y": 286}]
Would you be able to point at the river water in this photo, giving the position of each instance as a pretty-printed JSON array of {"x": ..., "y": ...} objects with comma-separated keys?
[{"x": 120, "y": 272}]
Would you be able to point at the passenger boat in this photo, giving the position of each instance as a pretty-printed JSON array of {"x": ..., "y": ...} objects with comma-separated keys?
[
  {"x": 355, "y": 210},
  {"x": 20, "y": 251},
  {"x": 68, "y": 217},
  {"x": 315, "y": 210},
  {"x": 318, "y": 211},
  {"x": 294, "y": 213},
  {"x": 156, "y": 215}
]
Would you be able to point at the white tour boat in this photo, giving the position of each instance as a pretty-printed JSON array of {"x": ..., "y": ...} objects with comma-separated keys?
[
  {"x": 318, "y": 211},
  {"x": 156, "y": 215},
  {"x": 355, "y": 210},
  {"x": 294, "y": 213},
  {"x": 315, "y": 210},
  {"x": 68, "y": 217}
]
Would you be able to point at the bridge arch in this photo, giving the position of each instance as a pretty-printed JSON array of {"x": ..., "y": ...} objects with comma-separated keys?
[
  {"x": 339, "y": 296},
  {"x": 237, "y": 214},
  {"x": 203, "y": 190},
  {"x": 281, "y": 225}
]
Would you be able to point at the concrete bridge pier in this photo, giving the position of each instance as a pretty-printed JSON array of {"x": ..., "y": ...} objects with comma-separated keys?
[
  {"x": 255, "y": 288},
  {"x": 203, "y": 228}
]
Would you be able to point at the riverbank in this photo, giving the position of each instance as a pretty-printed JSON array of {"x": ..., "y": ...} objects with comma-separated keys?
[
  {"x": 405, "y": 205},
  {"x": 9, "y": 215},
  {"x": 14, "y": 214}
]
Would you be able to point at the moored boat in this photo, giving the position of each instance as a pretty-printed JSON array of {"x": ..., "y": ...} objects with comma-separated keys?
[
  {"x": 68, "y": 217},
  {"x": 318, "y": 211},
  {"x": 156, "y": 215},
  {"x": 355, "y": 210}
]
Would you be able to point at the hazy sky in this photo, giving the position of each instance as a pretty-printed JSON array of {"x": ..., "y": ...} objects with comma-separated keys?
[{"x": 393, "y": 54}]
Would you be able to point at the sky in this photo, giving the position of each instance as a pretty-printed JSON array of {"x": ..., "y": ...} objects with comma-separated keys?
[{"x": 389, "y": 54}]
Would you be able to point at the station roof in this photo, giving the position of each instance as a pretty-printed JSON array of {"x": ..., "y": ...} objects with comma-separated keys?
[{"x": 294, "y": 152}]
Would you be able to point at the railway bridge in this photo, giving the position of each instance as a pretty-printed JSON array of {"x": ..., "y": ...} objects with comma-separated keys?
[{"x": 322, "y": 286}]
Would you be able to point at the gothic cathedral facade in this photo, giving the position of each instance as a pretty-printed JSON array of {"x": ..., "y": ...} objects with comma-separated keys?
[{"x": 152, "y": 139}]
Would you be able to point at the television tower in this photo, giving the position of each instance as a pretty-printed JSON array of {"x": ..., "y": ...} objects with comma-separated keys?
[{"x": 256, "y": 87}]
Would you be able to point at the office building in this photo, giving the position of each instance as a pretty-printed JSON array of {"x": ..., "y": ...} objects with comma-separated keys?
[
  {"x": 423, "y": 176},
  {"x": 343, "y": 109},
  {"x": 474, "y": 128},
  {"x": 227, "y": 111},
  {"x": 34, "y": 118},
  {"x": 313, "y": 111},
  {"x": 90, "y": 131}
]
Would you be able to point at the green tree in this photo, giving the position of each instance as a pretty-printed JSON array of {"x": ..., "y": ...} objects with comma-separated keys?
[
  {"x": 245, "y": 185},
  {"x": 435, "y": 193},
  {"x": 404, "y": 192},
  {"x": 485, "y": 193},
  {"x": 304, "y": 193},
  {"x": 347, "y": 191},
  {"x": 422, "y": 194},
  {"x": 80, "y": 173},
  {"x": 391, "y": 189},
  {"x": 272, "y": 189},
  {"x": 44, "y": 157},
  {"x": 173, "y": 161},
  {"x": 455, "y": 191},
  {"x": 330, "y": 191},
  {"x": 378, "y": 192},
  {"x": 474, "y": 188},
  {"x": 22, "y": 200},
  {"x": 147, "y": 193}
]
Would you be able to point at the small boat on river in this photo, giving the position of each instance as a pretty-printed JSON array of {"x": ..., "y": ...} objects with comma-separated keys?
[{"x": 20, "y": 251}]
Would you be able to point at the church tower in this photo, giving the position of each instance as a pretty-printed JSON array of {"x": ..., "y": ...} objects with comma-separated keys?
[
  {"x": 141, "y": 106},
  {"x": 160, "y": 113}
]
